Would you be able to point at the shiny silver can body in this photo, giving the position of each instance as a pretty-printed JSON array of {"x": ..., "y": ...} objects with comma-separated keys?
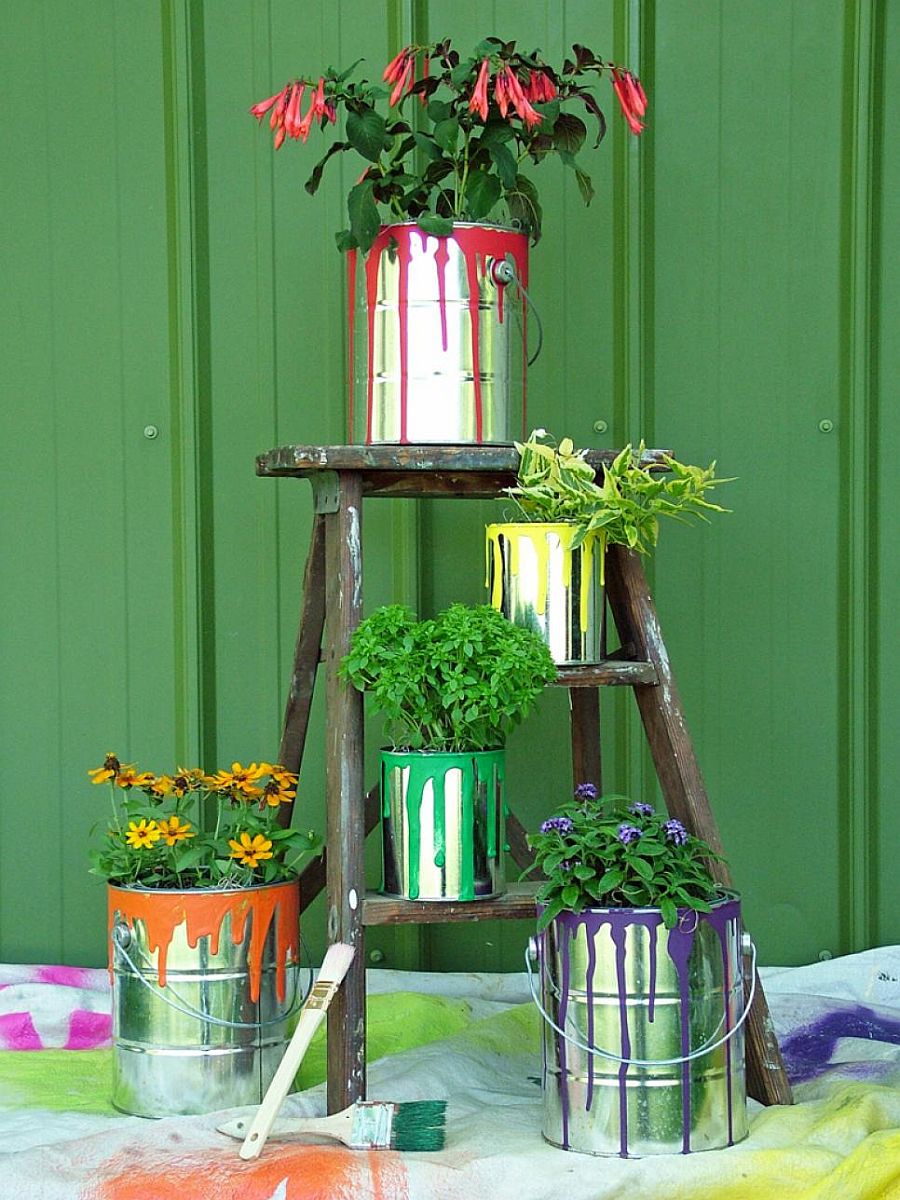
[
  {"x": 437, "y": 343},
  {"x": 612, "y": 984},
  {"x": 198, "y": 1042},
  {"x": 537, "y": 580}
]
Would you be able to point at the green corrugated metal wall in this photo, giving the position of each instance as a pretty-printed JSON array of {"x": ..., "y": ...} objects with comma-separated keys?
[{"x": 729, "y": 290}]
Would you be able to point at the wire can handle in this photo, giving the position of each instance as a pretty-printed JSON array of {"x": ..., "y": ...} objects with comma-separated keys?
[
  {"x": 121, "y": 939},
  {"x": 503, "y": 272}
]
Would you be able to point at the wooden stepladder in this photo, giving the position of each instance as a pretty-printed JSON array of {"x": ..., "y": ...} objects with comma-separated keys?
[{"x": 341, "y": 476}]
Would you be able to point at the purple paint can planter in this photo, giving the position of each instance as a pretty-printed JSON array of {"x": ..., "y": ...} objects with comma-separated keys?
[{"x": 652, "y": 1061}]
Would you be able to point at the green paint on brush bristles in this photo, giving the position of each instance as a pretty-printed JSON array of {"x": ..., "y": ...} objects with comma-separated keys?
[{"x": 419, "y": 1125}]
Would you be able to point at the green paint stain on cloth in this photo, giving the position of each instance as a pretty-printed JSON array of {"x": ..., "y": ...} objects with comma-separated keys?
[
  {"x": 60, "y": 1080},
  {"x": 81, "y": 1080}
]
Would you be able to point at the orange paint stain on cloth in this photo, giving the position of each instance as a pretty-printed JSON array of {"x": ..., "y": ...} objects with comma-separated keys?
[{"x": 281, "y": 1173}]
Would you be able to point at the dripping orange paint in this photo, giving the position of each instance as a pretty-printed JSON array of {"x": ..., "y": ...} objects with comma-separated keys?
[{"x": 203, "y": 911}]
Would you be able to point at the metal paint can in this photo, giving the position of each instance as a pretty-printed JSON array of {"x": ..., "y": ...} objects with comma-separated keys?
[
  {"x": 205, "y": 992},
  {"x": 667, "y": 1008},
  {"x": 443, "y": 824},
  {"x": 537, "y": 580},
  {"x": 437, "y": 336}
]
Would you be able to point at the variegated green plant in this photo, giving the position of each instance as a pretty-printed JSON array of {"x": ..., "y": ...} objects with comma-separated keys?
[{"x": 556, "y": 483}]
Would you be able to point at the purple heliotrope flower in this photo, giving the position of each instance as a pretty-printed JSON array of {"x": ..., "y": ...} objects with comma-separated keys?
[
  {"x": 628, "y": 833},
  {"x": 567, "y": 864},
  {"x": 560, "y": 824},
  {"x": 640, "y": 809},
  {"x": 675, "y": 832},
  {"x": 586, "y": 791}
]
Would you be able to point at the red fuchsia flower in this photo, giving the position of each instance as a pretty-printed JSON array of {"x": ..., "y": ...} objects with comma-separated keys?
[
  {"x": 259, "y": 110},
  {"x": 631, "y": 101},
  {"x": 519, "y": 100},
  {"x": 330, "y": 112},
  {"x": 405, "y": 82},
  {"x": 501, "y": 93},
  {"x": 396, "y": 66},
  {"x": 426, "y": 71},
  {"x": 277, "y": 118},
  {"x": 540, "y": 87},
  {"x": 479, "y": 99},
  {"x": 304, "y": 127},
  {"x": 292, "y": 113}
]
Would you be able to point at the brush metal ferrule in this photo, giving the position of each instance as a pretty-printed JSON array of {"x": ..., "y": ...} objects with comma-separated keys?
[{"x": 322, "y": 994}]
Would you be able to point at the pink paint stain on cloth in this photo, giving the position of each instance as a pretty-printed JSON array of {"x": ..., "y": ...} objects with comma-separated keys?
[
  {"x": 17, "y": 1032},
  {"x": 80, "y": 977},
  {"x": 89, "y": 1030}
]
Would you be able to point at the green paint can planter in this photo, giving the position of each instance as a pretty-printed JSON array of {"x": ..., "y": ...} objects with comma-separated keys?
[{"x": 442, "y": 823}]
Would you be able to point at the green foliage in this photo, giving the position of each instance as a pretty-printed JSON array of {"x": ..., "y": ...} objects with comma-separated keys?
[
  {"x": 555, "y": 483},
  {"x": 192, "y": 830},
  {"x": 458, "y": 155},
  {"x": 459, "y": 682},
  {"x": 589, "y": 862}
]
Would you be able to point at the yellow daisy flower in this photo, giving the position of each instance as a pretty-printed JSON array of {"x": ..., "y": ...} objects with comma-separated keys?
[
  {"x": 249, "y": 851},
  {"x": 162, "y": 785},
  {"x": 109, "y": 770},
  {"x": 142, "y": 835},
  {"x": 286, "y": 779},
  {"x": 277, "y": 793},
  {"x": 173, "y": 830},
  {"x": 127, "y": 777},
  {"x": 240, "y": 780}
]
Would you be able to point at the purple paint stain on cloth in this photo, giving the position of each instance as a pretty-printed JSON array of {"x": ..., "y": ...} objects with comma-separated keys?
[
  {"x": 807, "y": 1051},
  {"x": 18, "y": 1033},
  {"x": 89, "y": 1030}
]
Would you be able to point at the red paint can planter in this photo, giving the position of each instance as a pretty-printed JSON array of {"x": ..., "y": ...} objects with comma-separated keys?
[{"x": 437, "y": 345}]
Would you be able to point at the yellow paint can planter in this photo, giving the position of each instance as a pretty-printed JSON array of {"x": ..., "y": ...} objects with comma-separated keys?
[{"x": 538, "y": 580}]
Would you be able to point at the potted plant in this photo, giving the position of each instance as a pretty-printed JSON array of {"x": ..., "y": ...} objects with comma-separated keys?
[
  {"x": 642, "y": 983},
  {"x": 451, "y": 689},
  {"x": 442, "y": 214},
  {"x": 203, "y": 899},
  {"x": 546, "y": 570}
]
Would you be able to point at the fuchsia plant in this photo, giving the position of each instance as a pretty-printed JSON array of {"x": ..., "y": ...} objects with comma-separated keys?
[{"x": 460, "y": 156}]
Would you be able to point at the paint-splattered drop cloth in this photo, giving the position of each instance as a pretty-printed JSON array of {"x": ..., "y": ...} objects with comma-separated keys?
[{"x": 473, "y": 1040}]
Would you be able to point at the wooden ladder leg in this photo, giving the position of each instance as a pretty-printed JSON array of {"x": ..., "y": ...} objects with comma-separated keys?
[
  {"x": 307, "y": 651},
  {"x": 344, "y": 789},
  {"x": 584, "y": 704},
  {"x": 682, "y": 783}
]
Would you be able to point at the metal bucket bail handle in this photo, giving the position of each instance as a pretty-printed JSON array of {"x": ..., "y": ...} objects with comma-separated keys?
[
  {"x": 121, "y": 938},
  {"x": 503, "y": 272},
  {"x": 531, "y": 955}
]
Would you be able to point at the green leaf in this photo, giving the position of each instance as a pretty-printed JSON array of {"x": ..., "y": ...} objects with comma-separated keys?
[
  {"x": 569, "y": 133},
  {"x": 669, "y": 912},
  {"x": 494, "y": 132},
  {"x": 524, "y": 206},
  {"x": 482, "y": 193},
  {"x": 505, "y": 162},
  {"x": 345, "y": 240},
  {"x": 585, "y": 185},
  {"x": 428, "y": 145},
  {"x": 312, "y": 184},
  {"x": 643, "y": 868},
  {"x": 461, "y": 73},
  {"x": 446, "y": 134},
  {"x": 364, "y": 219},
  {"x": 438, "y": 110},
  {"x": 365, "y": 132},
  {"x": 431, "y": 223}
]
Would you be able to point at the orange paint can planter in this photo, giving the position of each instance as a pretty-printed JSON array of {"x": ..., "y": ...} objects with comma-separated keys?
[{"x": 206, "y": 994}]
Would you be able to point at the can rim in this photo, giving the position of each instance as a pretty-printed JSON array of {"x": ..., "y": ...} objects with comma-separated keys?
[
  {"x": 446, "y": 753},
  {"x": 724, "y": 896},
  {"x": 205, "y": 891},
  {"x": 456, "y": 225}
]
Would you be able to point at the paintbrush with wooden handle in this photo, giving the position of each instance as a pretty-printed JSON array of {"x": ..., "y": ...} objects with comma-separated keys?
[
  {"x": 335, "y": 966},
  {"x": 367, "y": 1125}
]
